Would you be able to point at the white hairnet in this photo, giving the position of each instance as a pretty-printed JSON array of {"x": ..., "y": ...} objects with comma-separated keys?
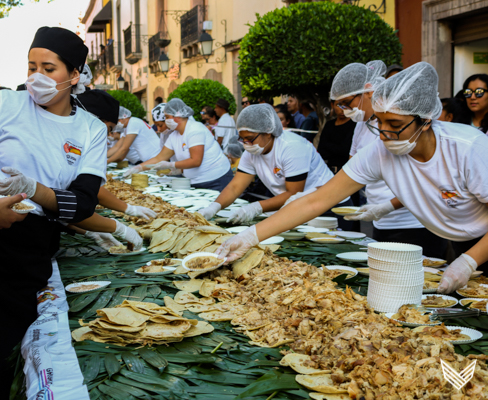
[
  {"x": 85, "y": 79},
  {"x": 260, "y": 118},
  {"x": 353, "y": 78},
  {"x": 124, "y": 113},
  {"x": 413, "y": 91},
  {"x": 178, "y": 108},
  {"x": 234, "y": 150},
  {"x": 158, "y": 112}
]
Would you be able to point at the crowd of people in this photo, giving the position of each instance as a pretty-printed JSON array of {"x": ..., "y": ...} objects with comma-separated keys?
[{"x": 420, "y": 159}]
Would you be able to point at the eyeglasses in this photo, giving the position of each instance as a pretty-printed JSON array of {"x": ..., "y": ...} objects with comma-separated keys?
[
  {"x": 479, "y": 92},
  {"x": 386, "y": 133},
  {"x": 243, "y": 103},
  {"x": 202, "y": 113},
  {"x": 344, "y": 106},
  {"x": 245, "y": 141}
]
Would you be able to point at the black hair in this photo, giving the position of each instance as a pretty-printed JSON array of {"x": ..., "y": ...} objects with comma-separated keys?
[
  {"x": 68, "y": 65},
  {"x": 4, "y": 88},
  {"x": 210, "y": 112},
  {"x": 284, "y": 110},
  {"x": 456, "y": 107},
  {"x": 484, "y": 78}
]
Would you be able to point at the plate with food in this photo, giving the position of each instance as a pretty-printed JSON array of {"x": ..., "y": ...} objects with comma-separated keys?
[
  {"x": 430, "y": 287},
  {"x": 202, "y": 262},
  {"x": 363, "y": 271},
  {"x": 330, "y": 239},
  {"x": 166, "y": 262},
  {"x": 433, "y": 262},
  {"x": 438, "y": 301},
  {"x": 124, "y": 251},
  {"x": 476, "y": 303},
  {"x": 344, "y": 211},
  {"x": 474, "y": 290},
  {"x": 353, "y": 256},
  {"x": 22, "y": 207},
  {"x": 89, "y": 286},
  {"x": 453, "y": 334},
  {"x": 159, "y": 267},
  {"x": 412, "y": 316},
  {"x": 342, "y": 269}
]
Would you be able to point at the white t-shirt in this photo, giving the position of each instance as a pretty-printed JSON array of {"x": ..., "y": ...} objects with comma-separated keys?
[
  {"x": 225, "y": 133},
  {"x": 379, "y": 192},
  {"x": 290, "y": 156},
  {"x": 447, "y": 193},
  {"x": 214, "y": 164},
  {"x": 146, "y": 144},
  {"x": 49, "y": 148},
  {"x": 163, "y": 137}
]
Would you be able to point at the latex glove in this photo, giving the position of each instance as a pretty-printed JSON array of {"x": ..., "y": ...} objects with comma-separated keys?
[
  {"x": 164, "y": 165},
  {"x": 298, "y": 195},
  {"x": 104, "y": 240},
  {"x": 372, "y": 212},
  {"x": 129, "y": 234},
  {"x": 133, "y": 170},
  {"x": 141, "y": 212},
  {"x": 17, "y": 183},
  {"x": 175, "y": 172},
  {"x": 457, "y": 274},
  {"x": 209, "y": 211},
  {"x": 237, "y": 246},
  {"x": 245, "y": 213},
  {"x": 7, "y": 215}
]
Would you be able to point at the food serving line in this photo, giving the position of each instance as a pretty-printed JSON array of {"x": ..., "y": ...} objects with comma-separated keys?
[{"x": 231, "y": 367}]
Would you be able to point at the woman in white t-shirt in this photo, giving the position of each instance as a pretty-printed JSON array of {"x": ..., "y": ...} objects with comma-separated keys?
[
  {"x": 285, "y": 162},
  {"x": 198, "y": 154},
  {"x": 55, "y": 153},
  {"x": 438, "y": 170}
]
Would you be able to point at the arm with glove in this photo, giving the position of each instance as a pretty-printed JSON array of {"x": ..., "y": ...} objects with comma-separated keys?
[
  {"x": 374, "y": 212},
  {"x": 164, "y": 154},
  {"x": 108, "y": 200}
]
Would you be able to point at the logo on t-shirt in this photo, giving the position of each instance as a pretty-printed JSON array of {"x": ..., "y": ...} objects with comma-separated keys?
[
  {"x": 450, "y": 196},
  {"x": 277, "y": 171},
  {"x": 183, "y": 147},
  {"x": 73, "y": 151}
]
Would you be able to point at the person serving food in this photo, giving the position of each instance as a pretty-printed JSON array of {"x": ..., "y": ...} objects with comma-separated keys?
[{"x": 438, "y": 171}]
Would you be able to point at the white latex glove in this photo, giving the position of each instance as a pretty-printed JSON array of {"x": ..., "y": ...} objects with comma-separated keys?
[
  {"x": 17, "y": 183},
  {"x": 104, "y": 240},
  {"x": 457, "y": 274},
  {"x": 139, "y": 211},
  {"x": 237, "y": 246},
  {"x": 175, "y": 171},
  {"x": 298, "y": 195},
  {"x": 209, "y": 211},
  {"x": 164, "y": 165},
  {"x": 245, "y": 213},
  {"x": 134, "y": 170},
  {"x": 128, "y": 234},
  {"x": 372, "y": 212}
]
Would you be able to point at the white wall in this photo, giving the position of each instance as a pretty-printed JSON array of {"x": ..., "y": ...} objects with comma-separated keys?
[{"x": 463, "y": 62}]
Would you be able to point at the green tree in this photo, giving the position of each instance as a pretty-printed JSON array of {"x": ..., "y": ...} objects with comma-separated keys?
[
  {"x": 129, "y": 101},
  {"x": 199, "y": 93},
  {"x": 7, "y": 5},
  {"x": 297, "y": 50}
]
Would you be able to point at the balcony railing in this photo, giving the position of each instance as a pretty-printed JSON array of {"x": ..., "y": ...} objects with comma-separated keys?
[
  {"x": 132, "y": 43},
  {"x": 112, "y": 59},
  {"x": 156, "y": 45},
  {"x": 191, "y": 26}
]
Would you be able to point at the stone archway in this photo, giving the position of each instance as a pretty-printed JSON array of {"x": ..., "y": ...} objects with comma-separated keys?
[
  {"x": 158, "y": 92},
  {"x": 189, "y": 78},
  {"x": 213, "y": 75},
  {"x": 172, "y": 87}
]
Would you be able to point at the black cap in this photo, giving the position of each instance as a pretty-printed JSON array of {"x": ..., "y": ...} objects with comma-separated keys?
[
  {"x": 64, "y": 43},
  {"x": 101, "y": 104},
  {"x": 21, "y": 87},
  {"x": 394, "y": 67},
  {"x": 223, "y": 103}
]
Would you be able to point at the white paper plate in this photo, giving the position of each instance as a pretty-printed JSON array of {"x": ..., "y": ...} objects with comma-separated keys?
[
  {"x": 152, "y": 189},
  {"x": 168, "y": 270},
  {"x": 313, "y": 229},
  {"x": 111, "y": 165},
  {"x": 132, "y": 253},
  {"x": 463, "y": 302},
  {"x": 179, "y": 261},
  {"x": 472, "y": 333},
  {"x": 353, "y": 256},
  {"x": 272, "y": 240},
  {"x": 237, "y": 229},
  {"x": 101, "y": 283},
  {"x": 241, "y": 201},
  {"x": 482, "y": 285},
  {"x": 411, "y": 324},
  {"x": 339, "y": 211},
  {"x": 328, "y": 240},
  {"x": 350, "y": 235},
  {"x": 435, "y": 259},
  {"x": 25, "y": 203},
  {"x": 342, "y": 267},
  {"x": 201, "y": 254},
  {"x": 224, "y": 214},
  {"x": 292, "y": 235},
  {"x": 443, "y": 296}
]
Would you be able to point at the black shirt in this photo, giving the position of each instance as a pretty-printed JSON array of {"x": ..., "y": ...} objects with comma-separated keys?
[{"x": 335, "y": 144}]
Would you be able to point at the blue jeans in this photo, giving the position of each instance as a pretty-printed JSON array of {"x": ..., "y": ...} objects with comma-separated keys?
[{"x": 218, "y": 184}]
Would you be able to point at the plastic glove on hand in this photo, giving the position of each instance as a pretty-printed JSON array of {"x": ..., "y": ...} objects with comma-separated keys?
[
  {"x": 133, "y": 170},
  {"x": 237, "y": 246},
  {"x": 298, "y": 195},
  {"x": 209, "y": 211},
  {"x": 17, "y": 183},
  {"x": 457, "y": 274},
  {"x": 129, "y": 234},
  {"x": 164, "y": 165},
  {"x": 141, "y": 212},
  {"x": 245, "y": 213},
  {"x": 104, "y": 240},
  {"x": 372, "y": 212}
]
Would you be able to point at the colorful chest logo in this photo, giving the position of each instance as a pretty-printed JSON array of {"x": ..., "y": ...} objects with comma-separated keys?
[
  {"x": 73, "y": 151},
  {"x": 183, "y": 147},
  {"x": 450, "y": 196},
  {"x": 277, "y": 171}
]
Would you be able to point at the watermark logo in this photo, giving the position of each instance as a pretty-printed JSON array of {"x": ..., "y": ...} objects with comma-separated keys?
[{"x": 458, "y": 380}]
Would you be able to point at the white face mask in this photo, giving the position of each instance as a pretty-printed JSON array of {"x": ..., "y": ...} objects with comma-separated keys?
[
  {"x": 171, "y": 124},
  {"x": 402, "y": 147},
  {"x": 119, "y": 127},
  {"x": 110, "y": 139},
  {"x": 42, "y": 88},
  {"x": 355, "y": 114},
  {"x": 255, "y": 148}
]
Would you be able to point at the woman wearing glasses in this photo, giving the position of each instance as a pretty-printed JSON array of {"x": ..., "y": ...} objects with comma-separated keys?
[
  {"x": 436, "y": 169},
  {"x": 475, "y": 90},
  {"x": 352, "y": 89},
  {"x": 285, "y": 162},
  {"x": 198, "y": 153}
]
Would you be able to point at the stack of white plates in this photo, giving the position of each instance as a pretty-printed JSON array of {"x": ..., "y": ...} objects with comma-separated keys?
[
  {"x": 324, "y": 222},
  {"x": 396, "y": 275},
  {"x": 180, "y": 184}
]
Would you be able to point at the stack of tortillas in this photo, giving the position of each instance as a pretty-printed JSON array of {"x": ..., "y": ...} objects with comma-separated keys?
[
  {"x": 140, "y": 181},
  {"x": 142, "y": 323}
]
